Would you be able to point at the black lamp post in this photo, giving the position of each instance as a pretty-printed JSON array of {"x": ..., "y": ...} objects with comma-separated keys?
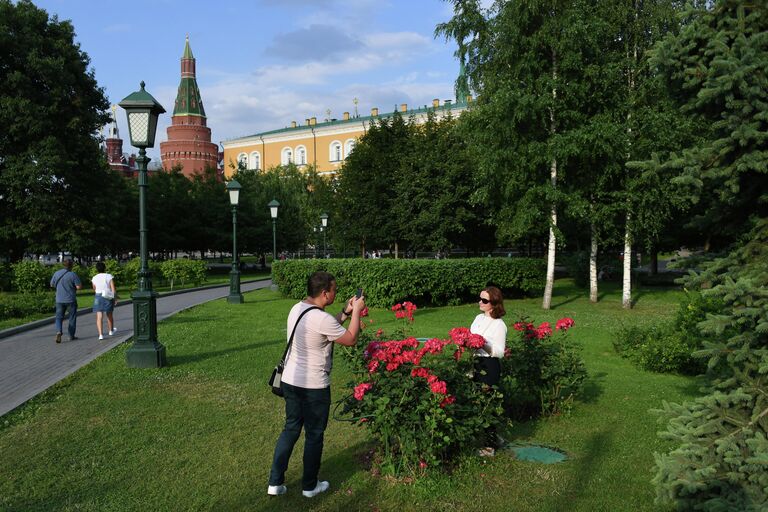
[
  {"x": 235, "y": 297},
  {"x": 273, "y": 206},
  {"x": 146, "y": 352},
  {"x": 324, "y": 220}
]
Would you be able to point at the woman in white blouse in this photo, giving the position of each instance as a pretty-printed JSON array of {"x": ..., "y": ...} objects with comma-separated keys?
[{"x": 490, "y": 326}]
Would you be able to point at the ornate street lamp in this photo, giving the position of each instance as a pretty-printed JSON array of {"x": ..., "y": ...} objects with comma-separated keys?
[
  {"x": 146, "y": 352},
  {"x": 324, "y": 220},
  {"x": 273, "y": 206},
  {"x": 235, "y": 297}
]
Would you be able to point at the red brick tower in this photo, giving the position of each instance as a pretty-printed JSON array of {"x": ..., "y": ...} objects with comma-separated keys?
[
  {"x": 189, "y": 139},
  {"x": 114, "y": 148}
]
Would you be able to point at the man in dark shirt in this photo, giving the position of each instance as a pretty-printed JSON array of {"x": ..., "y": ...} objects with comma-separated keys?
[{"x": 66, "y": 283}]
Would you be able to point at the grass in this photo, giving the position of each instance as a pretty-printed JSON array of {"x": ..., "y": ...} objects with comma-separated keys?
[
  {"x": 85, "y": 296},
  {"x": 199, "y": 434}
]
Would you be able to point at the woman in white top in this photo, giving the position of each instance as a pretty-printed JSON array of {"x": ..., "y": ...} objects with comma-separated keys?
[
  {"x": 104, "y": 302},
  {"x": 490, "y": 326}
]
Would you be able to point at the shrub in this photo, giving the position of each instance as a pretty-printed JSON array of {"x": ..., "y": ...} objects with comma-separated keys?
[
  {"x": 31, "y": 276},
  {"x": 131, "y": 270},
  {"x": 417, "y": 400},
  {"x": 669, "y": 347},
  {"x": 21, "y": 305},
  {"x": 542, "y": 372},
  {"x": 183, "y": 271},
  {"x": 437, "y": 282},
  {"x": 577, "y": 265},
  {"x": 6, "y": 277}
]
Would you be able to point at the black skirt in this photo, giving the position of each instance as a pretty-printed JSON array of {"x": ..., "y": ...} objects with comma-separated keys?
[{"x": 487, "y": 370}]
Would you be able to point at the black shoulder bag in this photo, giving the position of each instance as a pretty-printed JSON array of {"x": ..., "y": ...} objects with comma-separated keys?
[{"x": 276, "y": 380}]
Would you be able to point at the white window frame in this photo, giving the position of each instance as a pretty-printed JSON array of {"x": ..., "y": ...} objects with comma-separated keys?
[
  {"x": 335, "y": 148},
  {"x": 301, "y": 155},
  {"x": 242, "y": 158},
  {"x": 254, "y": 161},
  {"x": 286, "y": 156},
  {"x": 349, "y": 145}
]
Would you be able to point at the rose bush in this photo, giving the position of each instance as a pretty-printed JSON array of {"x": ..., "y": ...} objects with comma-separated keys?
[
  {"x": 418, "y": 400},
  {"x": 542, "y": 370},
  {"x": 415, "y": 397}
]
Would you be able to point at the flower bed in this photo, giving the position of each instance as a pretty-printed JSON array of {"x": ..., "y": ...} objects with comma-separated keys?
[{"x": 419, "y": 402}]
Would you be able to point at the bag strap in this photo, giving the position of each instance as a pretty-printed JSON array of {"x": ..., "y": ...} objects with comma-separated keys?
[
  {"x": 290, "y": 340},
  {"x": 60, "y": 278}
]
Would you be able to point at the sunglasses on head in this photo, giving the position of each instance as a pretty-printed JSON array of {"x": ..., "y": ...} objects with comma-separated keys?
[{"x": 485, "y": 301}]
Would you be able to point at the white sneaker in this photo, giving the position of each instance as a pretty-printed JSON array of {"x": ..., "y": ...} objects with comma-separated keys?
[
  {"x": 320, "y": 487},
  {"x": 276, "y": 490},
  {"x": 101, "y": 337},
  {"x": 113, "y": 331}
]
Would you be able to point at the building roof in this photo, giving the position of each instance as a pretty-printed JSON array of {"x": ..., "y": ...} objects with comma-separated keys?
[{"x": 352, "y": 120}]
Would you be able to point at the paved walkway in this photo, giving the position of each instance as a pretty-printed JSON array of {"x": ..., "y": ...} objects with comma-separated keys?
[{"x": 31, "y": 361}]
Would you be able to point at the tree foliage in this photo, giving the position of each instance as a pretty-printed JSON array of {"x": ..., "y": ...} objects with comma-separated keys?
[
  {"x": 54, "y": 182},
  {"x": 715, "y": 69}
]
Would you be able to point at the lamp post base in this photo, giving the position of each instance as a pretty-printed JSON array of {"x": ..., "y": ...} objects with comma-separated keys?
[
  {"x": 146, "y": 355},
  {"x": 235, "y": 297},
  {"x": 146, "y": 351}
]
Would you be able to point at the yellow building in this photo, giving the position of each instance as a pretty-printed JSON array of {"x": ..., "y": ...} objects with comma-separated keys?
[{"x": 324, "y": 145}]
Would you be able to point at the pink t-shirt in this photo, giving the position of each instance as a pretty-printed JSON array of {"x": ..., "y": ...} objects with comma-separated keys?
[{"x": 311, "y": 358}]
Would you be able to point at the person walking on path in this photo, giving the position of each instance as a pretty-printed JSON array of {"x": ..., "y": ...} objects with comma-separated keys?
[
  {"x": 104, "y": 300},
  {"x": 66, "y": 283},
  {"x": 306, "y": 379}
]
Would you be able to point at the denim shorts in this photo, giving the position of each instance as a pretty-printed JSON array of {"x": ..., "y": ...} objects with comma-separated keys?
[{"x": 102, "y": 305}]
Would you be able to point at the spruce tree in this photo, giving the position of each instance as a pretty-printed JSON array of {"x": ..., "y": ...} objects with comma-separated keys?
[{"x": 716, "y": 69}]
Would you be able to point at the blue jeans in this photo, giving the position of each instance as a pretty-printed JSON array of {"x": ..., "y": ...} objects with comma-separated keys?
[
  {"x": 61, "y": 310},
  {"x": 308, "y": 408}
]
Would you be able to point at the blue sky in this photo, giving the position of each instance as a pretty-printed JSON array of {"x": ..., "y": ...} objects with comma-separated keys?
[{"x": 264, "y": 63}]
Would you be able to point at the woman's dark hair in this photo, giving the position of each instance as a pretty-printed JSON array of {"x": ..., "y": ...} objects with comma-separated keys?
[
  {"x": 319, "y": 282},
  {"x": 101, "y": 267},
  {"x": 497, "y": 301}
]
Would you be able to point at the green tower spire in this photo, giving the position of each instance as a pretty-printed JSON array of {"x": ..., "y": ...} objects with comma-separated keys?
[{"x": 188, "y": 100}]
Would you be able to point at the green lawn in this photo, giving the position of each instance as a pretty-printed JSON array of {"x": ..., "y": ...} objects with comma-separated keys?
[{"x": 199, "y": 434}]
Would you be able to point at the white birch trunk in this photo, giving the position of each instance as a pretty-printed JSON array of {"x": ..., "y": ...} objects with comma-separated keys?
[
  {"x": 552, "y": 246},
  {"x": 396, "y": 251},
  {"x": 626, "y": 294},
  {"x": 593, "y": 265}
]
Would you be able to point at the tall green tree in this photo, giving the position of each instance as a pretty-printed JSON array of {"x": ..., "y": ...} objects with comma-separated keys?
[
  {"x": 716, "y": 70},
  {"x": 368, "y": 184},
  {"x": 527, "y": 61},
  {"x": 435, "y": 191},
  {"x": 54, "y": 180}
]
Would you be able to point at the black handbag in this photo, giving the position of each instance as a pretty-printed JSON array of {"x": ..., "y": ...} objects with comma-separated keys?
[{"x": 276, "y": 379}]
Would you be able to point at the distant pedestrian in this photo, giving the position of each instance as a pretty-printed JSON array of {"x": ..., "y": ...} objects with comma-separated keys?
[
  {"x": 104, "y": 300},
  {"x": 66, "y": 284}
]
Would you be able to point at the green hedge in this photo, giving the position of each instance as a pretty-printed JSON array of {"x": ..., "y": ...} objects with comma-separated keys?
[
  {"x": 435, "y": 282},
  {"x": 21, "y": 305}
]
